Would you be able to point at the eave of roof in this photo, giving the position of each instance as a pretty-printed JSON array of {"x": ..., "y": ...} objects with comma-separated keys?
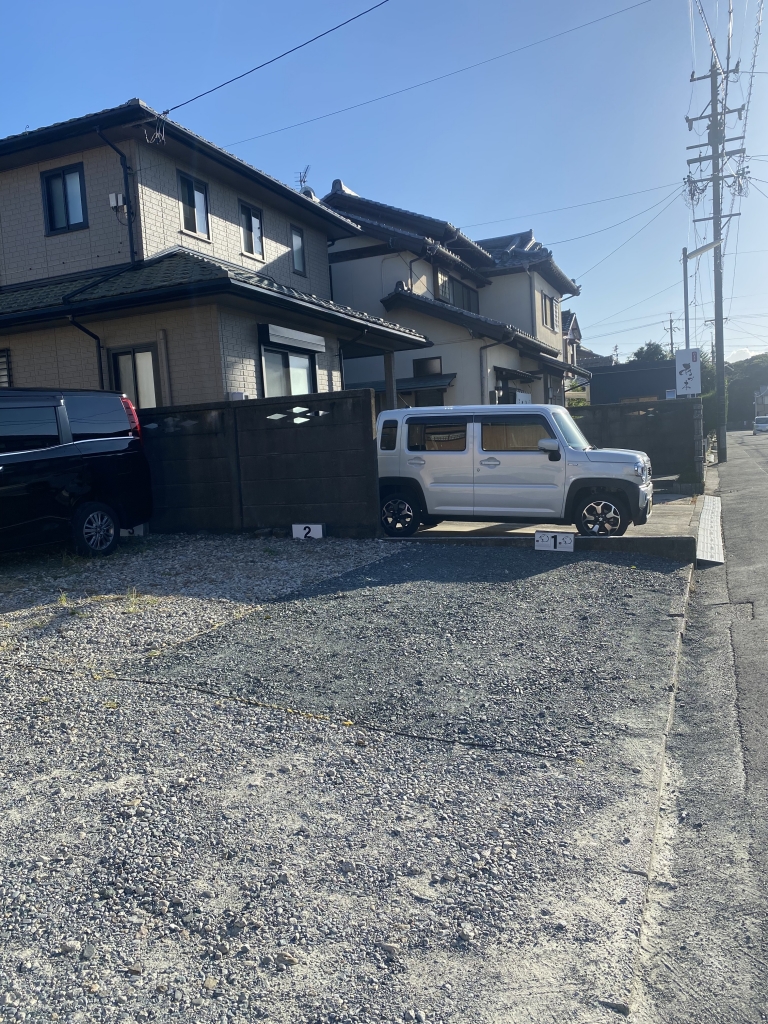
[
  {"x": 440, "y": 230},
  {"x": 135, "y": 114},
  {"x": 425, "y": 383},
  {"x": 473, "y": 322},
  {"x": 418, "y": 244},
  {"x": 181, "y": 274}
]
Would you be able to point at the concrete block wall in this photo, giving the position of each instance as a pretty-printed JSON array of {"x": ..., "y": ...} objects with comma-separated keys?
[
  {"x": 26, "y": 254},
  {"x": 161, "y": 224}
]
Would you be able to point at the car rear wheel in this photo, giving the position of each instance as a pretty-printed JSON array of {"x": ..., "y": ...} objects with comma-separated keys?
[
  {"x": 601, "y": 515},
  {"x": 95, "y": 529},
  {"x": 399, "y": 515}
]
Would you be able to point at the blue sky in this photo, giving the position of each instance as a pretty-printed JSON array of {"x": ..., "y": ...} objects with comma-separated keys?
[{"x": 594, "y": 114}]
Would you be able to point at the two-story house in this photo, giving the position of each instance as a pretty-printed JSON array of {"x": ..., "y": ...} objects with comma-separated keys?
[
  {"x": 491, "y": 308},
  {"x": 135, "y": 255}
]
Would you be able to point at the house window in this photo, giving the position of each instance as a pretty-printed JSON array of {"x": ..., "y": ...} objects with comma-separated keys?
[
  {"x": 135, "y": 374},
  {"x": 250, "y": 227},
  {"x": 550, "y": 312},
  {"x": 287, "y": 373},
  {"x": 297, "y": 247},
  {"x": 194, "y": 205},
  {"x": 449, "y": 289},
  {"x": 6, "y": 380},
  {"x": 64, "y": 200}
]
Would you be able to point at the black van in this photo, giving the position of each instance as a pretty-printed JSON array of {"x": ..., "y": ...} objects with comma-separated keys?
[{"x": 72, "y": 465}]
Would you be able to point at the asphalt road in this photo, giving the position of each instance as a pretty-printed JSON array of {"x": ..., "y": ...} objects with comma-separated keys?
[{"x": 705, "y": 954}]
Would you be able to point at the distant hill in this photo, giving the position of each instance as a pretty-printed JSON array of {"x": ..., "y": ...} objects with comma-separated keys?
[{"x": 744, "y": 379}]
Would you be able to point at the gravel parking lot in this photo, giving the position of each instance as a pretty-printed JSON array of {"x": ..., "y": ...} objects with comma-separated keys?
[{"x": 342, "y": 782}]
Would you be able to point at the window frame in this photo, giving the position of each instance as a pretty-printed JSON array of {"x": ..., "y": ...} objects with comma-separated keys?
[
  {"x": 5, "y": 356},
  {"x": 501, "y": 419},
  {"x": 54, "y": 172},
  {"x": 445, "y": 287},
  {"x": 31, "y": 405},
  {"x": 296, "y": 230},
  {"x": 241, "y": 203},
  {"x": 550, "y": 311},
  {"x": 122, "y": 350},
  {"x": 289, "y": 350},
  {"x": 180, "y": 175},
  {"x": 435, "y": 421}
]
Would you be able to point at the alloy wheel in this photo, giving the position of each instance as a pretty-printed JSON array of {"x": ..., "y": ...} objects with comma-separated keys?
[
  {"x": 397, "y": 514},
  {"x": 601, "y": 518},
  {"x": 98, "y": 531}
]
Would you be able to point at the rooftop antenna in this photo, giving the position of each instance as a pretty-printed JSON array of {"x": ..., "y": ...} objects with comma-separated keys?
[{"x": 301, "y": 177}]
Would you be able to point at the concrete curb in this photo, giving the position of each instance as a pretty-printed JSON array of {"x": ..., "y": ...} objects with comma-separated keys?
[{"x": 677, "y": 549}]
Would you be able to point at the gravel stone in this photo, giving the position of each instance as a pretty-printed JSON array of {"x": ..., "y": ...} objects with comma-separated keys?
[{"x": 204, "y": 733}]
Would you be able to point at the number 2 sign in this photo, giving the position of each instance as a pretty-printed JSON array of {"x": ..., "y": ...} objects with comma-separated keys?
[{"x": 308, "y": 531}]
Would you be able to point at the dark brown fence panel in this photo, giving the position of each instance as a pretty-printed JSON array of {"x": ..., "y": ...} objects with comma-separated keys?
[
  {"x": 662, "y": 429},
  {"x": 266, "y": 463}
]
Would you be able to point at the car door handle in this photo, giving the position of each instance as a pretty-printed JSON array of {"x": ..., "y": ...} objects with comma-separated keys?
[
  {"x": 490, "y": 462},
  {"x": 416, "y": 462}
]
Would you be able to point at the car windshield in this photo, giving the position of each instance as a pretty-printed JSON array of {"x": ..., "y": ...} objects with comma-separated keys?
[
  {"x": 761, "y": 419},
  {"x": 573, "y": 436}
]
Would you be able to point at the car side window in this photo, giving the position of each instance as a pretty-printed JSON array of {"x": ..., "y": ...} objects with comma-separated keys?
[
  {"x": 436, "y": 434},
  {"x": 24, "y": 429},
  {"x": 520, "y": 433},
  {"x": 388, "y": 436},
  {"x": 92, "y": 416}
]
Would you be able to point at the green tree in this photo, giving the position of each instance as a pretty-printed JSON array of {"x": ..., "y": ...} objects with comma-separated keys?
[{"x": 653, "y": 352}]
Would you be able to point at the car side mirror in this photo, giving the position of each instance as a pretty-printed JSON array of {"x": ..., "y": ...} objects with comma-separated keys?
[{"x": 551, "y": 445}]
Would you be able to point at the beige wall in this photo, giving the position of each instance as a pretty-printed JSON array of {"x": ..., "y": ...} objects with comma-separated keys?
[
  {"x": 460, "y": 354},
  {"x": 161, "y": 224},
  {"x": 26, "y": 253},
  {"x": 203, "y": 353}
]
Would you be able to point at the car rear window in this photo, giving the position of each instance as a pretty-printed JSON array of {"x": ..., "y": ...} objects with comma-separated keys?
[
  {"x": 437, "y": 434},
  {"x": 93, "y": 416},
  {"x": 27, "y": 429}
]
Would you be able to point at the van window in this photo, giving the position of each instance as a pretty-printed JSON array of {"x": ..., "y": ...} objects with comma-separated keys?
[
  {"x": 25, "y": 429},
  {"x": 513, "y": 433},
  {"x": 388, "y": 435},
  {"x": 437, "y": 434},
  {"x": 92, "y": 416}
]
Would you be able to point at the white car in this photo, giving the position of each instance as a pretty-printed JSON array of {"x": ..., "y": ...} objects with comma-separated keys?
[
  {"x": 760, "y": 426},
  {"x": 505, "y": 463}
]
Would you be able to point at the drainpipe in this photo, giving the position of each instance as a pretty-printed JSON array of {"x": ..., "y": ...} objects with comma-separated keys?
[
  {"x": 126, "y": 189},
  {"x": 97, "y": 339},
  {"x": 484, "y": 369}
]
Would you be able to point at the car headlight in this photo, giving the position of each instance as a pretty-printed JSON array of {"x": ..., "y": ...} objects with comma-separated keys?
[{"x": 639, "y": 468}]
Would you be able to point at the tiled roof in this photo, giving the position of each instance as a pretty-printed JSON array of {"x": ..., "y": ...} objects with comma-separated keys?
[
  {"x": 519, "y": 252},
  {"x": 429, "y": 228},
  {"x": 177, "y": 271},
  {"x": 135, "y": 115},
  {"x": 483, "y": 325}
]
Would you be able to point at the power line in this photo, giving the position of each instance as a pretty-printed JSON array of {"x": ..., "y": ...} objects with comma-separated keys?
[
  {"x": 618, "y": 224},
  {"x": 430, "y": 81},
  {"x": 638, "y": 303},
  {"x": 677, "y": 195},
  {"x": 561, "y": 209},
  {"x": 280, "y": 56}
]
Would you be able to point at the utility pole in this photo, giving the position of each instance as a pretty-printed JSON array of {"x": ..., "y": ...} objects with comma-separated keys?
[
  {"x": 671, "y": 342},
  {"x": 716, "y": 138}
]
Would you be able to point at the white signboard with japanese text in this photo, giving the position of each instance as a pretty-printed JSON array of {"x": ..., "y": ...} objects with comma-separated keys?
[
  {"x": 522, "y": 398},
  {"x": 688, "y": 372}
]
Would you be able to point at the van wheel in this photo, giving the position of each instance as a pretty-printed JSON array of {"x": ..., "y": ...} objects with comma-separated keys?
[
  {"x": 399, "y": 515},
  {"x": 601, "y": 515},
  {"x": 95, "y": 529}
]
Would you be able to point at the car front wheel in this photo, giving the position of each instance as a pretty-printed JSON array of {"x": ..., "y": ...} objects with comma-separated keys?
[
  {"x": 399, "y": 515},
  {"x": 95, "y": 529},
  {"x": 601, "y": 516}
]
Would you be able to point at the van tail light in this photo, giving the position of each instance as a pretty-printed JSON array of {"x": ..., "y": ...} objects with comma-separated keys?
[{"x": 133, "y": 419}]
